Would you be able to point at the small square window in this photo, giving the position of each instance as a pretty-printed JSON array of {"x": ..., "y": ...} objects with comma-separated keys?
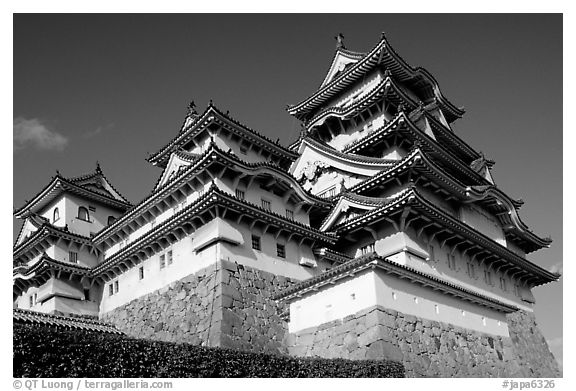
[
  {"x": 240, "y": 194},
  {"x": 290, "y": 214},
  {"x": 162, "y": 261},
  {"x": 266, "y": 205},
  {"x": 281, "y": 250},
  {"x": 256, "y": 242},
  {"x": 141, "y": 272}
]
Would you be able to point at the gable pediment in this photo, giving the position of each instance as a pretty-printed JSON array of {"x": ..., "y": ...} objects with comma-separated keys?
[
  {"x": 28, "y": 228},
  {"x": 175, "y": 164},
  {"x": 345, "y": 209},
  {"x": 339, "y": 64}
]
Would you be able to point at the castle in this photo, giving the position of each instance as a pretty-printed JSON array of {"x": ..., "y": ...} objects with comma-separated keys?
[{"x": 377, "y": 234}]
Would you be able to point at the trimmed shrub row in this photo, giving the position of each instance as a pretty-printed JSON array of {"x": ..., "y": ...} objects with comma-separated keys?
[{"x": 47, "y": 352}]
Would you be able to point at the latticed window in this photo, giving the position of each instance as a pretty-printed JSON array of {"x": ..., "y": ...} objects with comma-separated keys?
[
  {"x": 266, "y": 205},
  {"x": 240, "y": 194},
  {"x": 169, "y": 257},
  {"x": 280, "y": 250},
  {"x": 73, "y": 257},
  {"x": 162, "y": 261},
  {"x": 256, "y": 242},
  {"x": 290, "y": 214},
  {"x": 116, "y": 286},
  {"x": 369, "y": 248}
]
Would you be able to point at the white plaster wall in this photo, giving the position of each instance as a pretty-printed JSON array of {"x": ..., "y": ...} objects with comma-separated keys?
[
  {"x": 482, "y": 221},
  {"x": 60, "y": 295},
  {"x": 60, "y": 253},
  {"x": 98, "y": 219},
  {"x": 389, "y": 241},
  {"x": 372, "y": 288},
  {"x": 409, "y": 298},
  {"x": 48, "y": 211},
  {"x": 266, "y": 259},
  {"x": 184, "y": 262},
  {"x": 333, "y": 302}
]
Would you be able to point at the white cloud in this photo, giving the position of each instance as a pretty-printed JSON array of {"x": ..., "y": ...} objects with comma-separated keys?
[{"x": 32, "y": 132}]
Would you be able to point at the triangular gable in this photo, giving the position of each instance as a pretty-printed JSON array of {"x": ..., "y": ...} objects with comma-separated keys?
[
  {"x": 344, "y": 209},
  {"x": 315, "y": 157},
  {"x": 340, "y": 62},
  {"x": 99, "y": 184},
  {"x": 28, "y": 228},
  {"x": 174, "y": 165}
]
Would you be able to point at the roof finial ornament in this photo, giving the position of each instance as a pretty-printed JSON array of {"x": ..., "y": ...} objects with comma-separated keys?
[
  {"x": 98, "y": 169},
  {"x": 401, "y": 108},
  {"x": 57, "y": 172},
  {"x": 192, "y": 109},
  {"x": 340, "y": 41},
  {"x": 211, "y": 104}
]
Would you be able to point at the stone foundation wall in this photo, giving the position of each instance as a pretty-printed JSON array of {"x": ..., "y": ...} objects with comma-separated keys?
[
  {"x": 225, "y": 305},
  {"x": 251, "y": 320},
  {"x": 188, "y": 310},
  {"x": 429, "y": 348}
]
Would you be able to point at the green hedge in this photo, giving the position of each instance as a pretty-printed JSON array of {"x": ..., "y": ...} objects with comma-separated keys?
[{"x": 47, "y": 352}]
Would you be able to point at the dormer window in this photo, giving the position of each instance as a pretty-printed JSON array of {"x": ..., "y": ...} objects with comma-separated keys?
[
  {"x": 56, "y": 216},
  {"x": 83, "y": 214}
]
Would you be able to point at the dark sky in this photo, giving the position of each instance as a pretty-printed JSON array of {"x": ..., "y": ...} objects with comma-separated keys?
[{"x": 115, "y": 87}]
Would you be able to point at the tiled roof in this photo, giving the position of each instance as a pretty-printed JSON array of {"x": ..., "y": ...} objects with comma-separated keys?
[
  {"x": 73, "y": 185},
  {"x": 383, "y": 54},
  {"x": 69, "y": 322},
  {"x": 417, "y": 202},
  {"x": 374, "y": 260},
  {"x": 187, "y": 133},
  {"x": 207, "y": 157}
]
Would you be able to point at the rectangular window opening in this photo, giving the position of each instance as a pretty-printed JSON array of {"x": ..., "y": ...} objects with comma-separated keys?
[
  {"x": 256, "y": 242},
  {"x": 162, "y": 261},
  {"x": 141, "y": 272},
  {"x": 240, "y": 194},
  {"x": 267, "y": 205},
  {"x": 281, "y": 250},
  {"x": 73, "y": 257}
]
